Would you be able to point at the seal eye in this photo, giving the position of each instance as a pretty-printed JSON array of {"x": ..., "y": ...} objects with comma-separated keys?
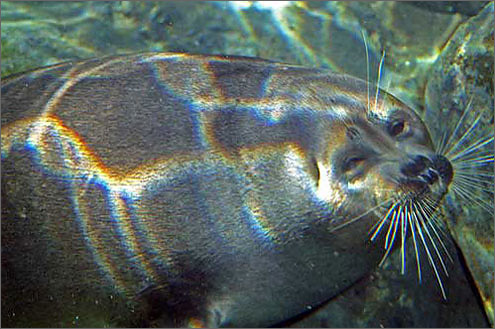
[
  {"x": 397, "y": 127},
  {"x": 352, "y": 163}
]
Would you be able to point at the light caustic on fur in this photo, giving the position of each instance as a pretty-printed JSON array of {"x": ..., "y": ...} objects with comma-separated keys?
[{"x": 420, "y": 217}]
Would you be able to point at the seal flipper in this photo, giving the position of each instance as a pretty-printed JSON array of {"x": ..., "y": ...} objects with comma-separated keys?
[
  {"x": 164, "y": 309},
  {"x": 179, "y": 302}
]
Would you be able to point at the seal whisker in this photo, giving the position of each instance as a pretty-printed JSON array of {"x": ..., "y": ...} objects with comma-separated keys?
[
  {"x": 432, "y": 224},
  {"x": 476, "y": 151},
  {"x": 458, "y": 125},
  {"x": 482, "y": 157},
  {"x": 378, "y": 79},
  {"x": 416, "y": 251},
  {"x": 428, "y": 253},
  {"x": 471, "y": 184},
  {"x": 348, "y": 222},
  {"x": 437, "y": 252},
  {"x": 382, "y": 221},
  {"x": 431, "y": 206},
  {"x": 462, "y": 189},
  {"x": 477, "y": 145},
  {"x": 473, "y": 163},
  {"x": 469, "y": 167},
  {"x": 474, "y": 186},
  {"x": 475, "y": 178},
  {"x": 404, "y": 217},
  {"x": 441, "y": 143},
  {"x": 467, "y": 170},
  {"x": 367, "y": 71},
  {"x": 463, "y": 137},
  {"x": 430, "y": 210},
  {"x": 478, "y": 179},
  {"x": 391, "y": 229}
]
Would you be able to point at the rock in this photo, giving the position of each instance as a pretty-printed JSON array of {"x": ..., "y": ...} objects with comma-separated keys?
[{"x": 463, "y": 73}]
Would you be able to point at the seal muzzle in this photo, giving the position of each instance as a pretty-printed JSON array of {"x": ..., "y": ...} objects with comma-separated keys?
[
  {"x": 429, "y": 170},
  {"x": 444, "y": 168}
]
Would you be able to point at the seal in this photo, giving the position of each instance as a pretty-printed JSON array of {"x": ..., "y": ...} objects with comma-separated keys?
[{"x": 188, "y": 190}]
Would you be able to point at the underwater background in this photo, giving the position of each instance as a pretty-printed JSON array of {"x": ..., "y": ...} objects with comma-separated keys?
[{"x": 439, "y": 56}]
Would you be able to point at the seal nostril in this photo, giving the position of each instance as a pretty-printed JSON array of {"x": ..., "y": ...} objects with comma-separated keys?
[
  {"x": 414, "y": 167},
  {"x": 430, "y": 176},
  {"x": 433, "y": 175},
  {"x": 444, "y": 168}
]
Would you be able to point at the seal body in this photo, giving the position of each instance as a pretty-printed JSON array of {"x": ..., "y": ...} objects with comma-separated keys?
[{"x": 172, "y": 189}]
